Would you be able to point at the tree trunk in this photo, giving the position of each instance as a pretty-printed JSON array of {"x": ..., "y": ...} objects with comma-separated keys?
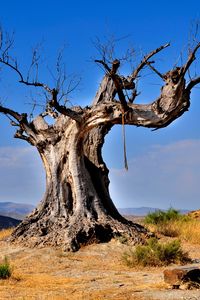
[{"x": 77, "y": 208}]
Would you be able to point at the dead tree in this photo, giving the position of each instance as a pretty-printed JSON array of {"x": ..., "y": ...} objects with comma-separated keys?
[{"x": 77, "y": 209}]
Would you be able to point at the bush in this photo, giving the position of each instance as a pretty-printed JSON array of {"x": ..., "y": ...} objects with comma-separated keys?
[
  {"x": 5, "y": 269},
  {"x": 168, "y": 223},
  {"x": 156, "y": 254},
  {"x": 160, "y": 216}
]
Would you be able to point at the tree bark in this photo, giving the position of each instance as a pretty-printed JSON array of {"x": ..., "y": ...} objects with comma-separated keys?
[{"x": 76, "y": 209}]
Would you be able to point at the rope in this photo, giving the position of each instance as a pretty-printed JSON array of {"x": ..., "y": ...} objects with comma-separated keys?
[{"x": 124, "y": 142}]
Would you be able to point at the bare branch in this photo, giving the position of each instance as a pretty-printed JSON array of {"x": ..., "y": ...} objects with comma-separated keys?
[
  {"x": 7, "y": 43},
  {"x": 12, "y": 122},
  {"x": 107, "y": 68},
  {"x": 21, "y": 122},
  {"x": 19, "y": 135},
  {"x": 117, "y": 81},
  {"x": 144, "y": 62},
  {"x": 37, "y": 84},
  {"x": 34, "y": 63},
  {"x": 154, "y": 69},
  {"x": 71, "y": 87},
  {"x": 12, "y": 67},
  {"x": 190, "y": 60},
  {"x": 15, "y": 68},
  {"x": 53, "y": 92},
  {"x": 62, "y": 109},
  {"x": 107, "y": 49},
  {"x": 192, "y": 83},
  {"x": 14, "y": 114}
]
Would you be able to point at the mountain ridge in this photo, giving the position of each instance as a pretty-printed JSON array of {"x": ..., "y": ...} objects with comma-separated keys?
[
  {"x": 144, "y": 210},
  {"x": 20, "y": 210},
  {"x": 15, "y": 210},
  {"x": 7, "y": 222}
]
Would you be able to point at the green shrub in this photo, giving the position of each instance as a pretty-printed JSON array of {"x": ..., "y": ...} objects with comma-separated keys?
[
  {"x": 5, "y": 269},
  {"x": 160, "y": 216},
  {"x": 156, "y": 254}
]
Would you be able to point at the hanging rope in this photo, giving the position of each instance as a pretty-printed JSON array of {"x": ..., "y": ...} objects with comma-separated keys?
[
  {"x": 124, "y": 142},
  {"x": 124, "y": 132}
]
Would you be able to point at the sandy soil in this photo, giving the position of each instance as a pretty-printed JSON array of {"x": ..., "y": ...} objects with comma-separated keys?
[{"x": 95, "y": 272}]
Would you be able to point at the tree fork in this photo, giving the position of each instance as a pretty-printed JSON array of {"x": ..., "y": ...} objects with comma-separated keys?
[{"x": 77, "y": 208}]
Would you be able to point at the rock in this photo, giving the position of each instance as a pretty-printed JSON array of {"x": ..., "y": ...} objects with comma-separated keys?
[{"x": 180, "y": 276}]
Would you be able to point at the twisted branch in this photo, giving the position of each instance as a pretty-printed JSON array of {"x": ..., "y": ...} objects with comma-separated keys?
[
  {"x": 112, "y": 72},
  {"x": 145, "y": 62},
  {"x": 53, "y": 92},
  {"x": 190, "y": 60}
]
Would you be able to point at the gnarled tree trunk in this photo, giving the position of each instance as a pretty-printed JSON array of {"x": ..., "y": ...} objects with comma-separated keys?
[{"x": 77, "y": 209}]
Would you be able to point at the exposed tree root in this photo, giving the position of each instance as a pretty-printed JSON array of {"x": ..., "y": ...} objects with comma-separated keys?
[{"x": 72, "y": 235}]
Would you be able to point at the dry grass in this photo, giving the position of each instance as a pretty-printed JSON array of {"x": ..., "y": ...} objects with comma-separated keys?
[
  {"x": 186, "y": 231},
  {"x": 189, "y": 231},
  {"x": 95, "y": 272},
  {"x": 171, "y": 223},
  {"x": 5, "y": 233}
]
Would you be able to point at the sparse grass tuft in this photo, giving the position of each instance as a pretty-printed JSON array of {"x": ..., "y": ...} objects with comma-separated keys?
[
  {"x": 156, "y": 254},
  {"x": 5, "y": 269}
]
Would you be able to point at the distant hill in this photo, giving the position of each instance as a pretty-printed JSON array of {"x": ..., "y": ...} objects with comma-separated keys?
[
  {"x": 143, "y": 211},
  {"x": 6, "y": 222},
  {"x": 15, "y": 210},
  {"x": 20, "y": 210}
]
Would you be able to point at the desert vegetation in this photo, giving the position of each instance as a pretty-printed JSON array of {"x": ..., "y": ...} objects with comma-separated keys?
[
  {"x": 77, "y": 208},
  {"x": 113, "y": 270},
  {"x": 156, "y": 254},
  {"x": 172, "y": 223},
  {"x": 4, "y": 233},
  {"x": 5, "y": 269},
  {"x": 159, "y": 216},
  {"x": 172, "y": 231}
]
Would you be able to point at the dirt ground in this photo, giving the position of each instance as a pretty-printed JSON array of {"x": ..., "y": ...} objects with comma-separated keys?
[{"x": 95, "y": 272}]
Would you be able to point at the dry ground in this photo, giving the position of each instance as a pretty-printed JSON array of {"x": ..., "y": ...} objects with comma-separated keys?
[{"x": 95, "y": 272}]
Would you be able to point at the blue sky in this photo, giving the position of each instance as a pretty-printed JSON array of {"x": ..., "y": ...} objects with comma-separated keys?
[{"x": 164, "y": 166}]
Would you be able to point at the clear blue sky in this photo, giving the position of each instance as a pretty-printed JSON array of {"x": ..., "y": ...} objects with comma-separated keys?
[{"x": 164, "y": 166}]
